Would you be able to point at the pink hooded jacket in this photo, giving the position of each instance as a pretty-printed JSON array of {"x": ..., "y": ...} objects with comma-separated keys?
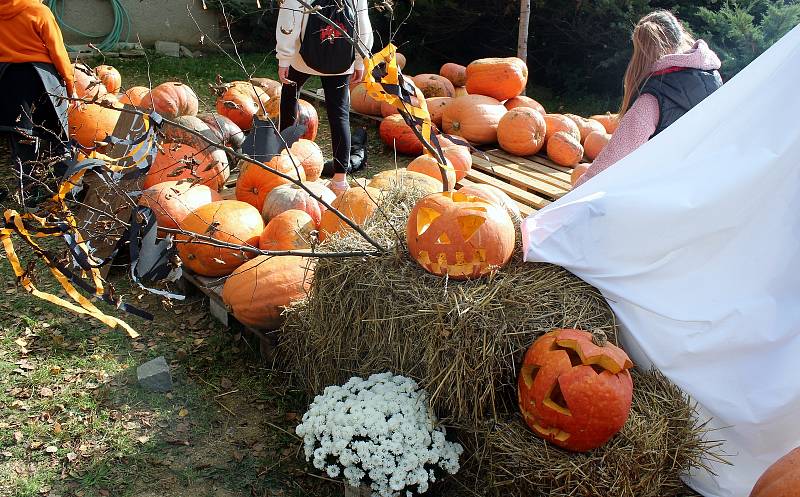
[{"x": 641, "y": 120}]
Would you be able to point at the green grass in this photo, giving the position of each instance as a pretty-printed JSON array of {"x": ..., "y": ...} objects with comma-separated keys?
[{"x": 75, "y": 422}]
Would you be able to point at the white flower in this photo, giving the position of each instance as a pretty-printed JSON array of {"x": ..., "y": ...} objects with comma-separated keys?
[{"x": 381, "y": 428}]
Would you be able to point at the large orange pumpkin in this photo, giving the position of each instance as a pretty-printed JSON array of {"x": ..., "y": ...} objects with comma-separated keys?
[
  {"x": 362, "y": 102},
  {"x": 578, "y": 171},
  {"x": 521, "y": 131},
  {"x": 308, "y": 117},
  {"x": 358, "y": 204},
  {"x": 271, "y": 86},
  {"x": 495, "y": 196},
  {"x": 456, "y": 73},
  {"x": 258, "y": 291},
  {"x": 310, "y": 157},
  {"x": 461, "y": 159},
  {"x": 473, "y": 117},
  {"x": 595, "y": 143},
  {"x": 255, "y": 182},
  {"x": 228, "y": 221},
  {"x": 560, "y": 122},
  {"x": 433, "y": 85},
  {"x": 397, "y": 134},
  {"x": 226, "y": 130},
  {"x": 289, "y": 230},
  {"x": 573, "y": 392},
  {"x": 171, "y": 100},
  {"x": 564, "y": 149},
  {"x": 110, "y": 77},
  {"x": 401, "y": 60},
  {"x": 429, "y": 166},
  {"x": 172, "y": 201},
  {"x": 176, "y": 162},
  {"x": 90, "y": 123},
  {"x": 87, "y": 85},
  {"x": 608, "y": 120},
  {"x": 782, "y": 479},
  {"x": 176, "y": 134},
  {"x": 585, "y": 126},
  {"x": 500, "y": 78},
  {"x": 390, "y": 110},
  {"x": 291, "y": 197},
  {"x": 241, "y": 101},
  {"x": 387, "y": 180},
  {"x": 523, "y": 101},
  {"x": 459, "y": 235},
  {"x": 134, "y": 95},
  {"x": 436, "y": 106}
]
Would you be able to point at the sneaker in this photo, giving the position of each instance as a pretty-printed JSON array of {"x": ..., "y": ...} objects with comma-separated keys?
[{"x": 338, "y": 187}]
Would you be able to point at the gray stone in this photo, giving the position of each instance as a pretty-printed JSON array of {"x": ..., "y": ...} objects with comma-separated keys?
[
  {"x": 168, "y": 48},
  {"x": 154, "y": 375},
  {"x": 185, "y": 52}
]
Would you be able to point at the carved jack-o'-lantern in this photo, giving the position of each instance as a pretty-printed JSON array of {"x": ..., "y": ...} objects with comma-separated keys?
[
  {"x": 573, "y": 391},
  {"x": 459, "y": 235}
]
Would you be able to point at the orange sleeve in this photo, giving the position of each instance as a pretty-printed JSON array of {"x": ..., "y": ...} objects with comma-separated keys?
[{"x": 54, "y": 41}]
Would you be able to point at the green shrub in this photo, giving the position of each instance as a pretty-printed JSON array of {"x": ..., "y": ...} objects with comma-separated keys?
[{"x": 740, "y": 31}]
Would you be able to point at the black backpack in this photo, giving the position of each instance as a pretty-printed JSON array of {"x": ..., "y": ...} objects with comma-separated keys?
[{"x": 323, "y": 47}]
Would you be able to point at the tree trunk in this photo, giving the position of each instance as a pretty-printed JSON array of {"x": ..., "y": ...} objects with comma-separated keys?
[{"x": 522, "y": 40}]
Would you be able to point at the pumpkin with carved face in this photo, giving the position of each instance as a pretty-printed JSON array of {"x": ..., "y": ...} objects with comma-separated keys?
[
  {"x": 459, "y": 235},
  {"x": 574, "y": 391}
]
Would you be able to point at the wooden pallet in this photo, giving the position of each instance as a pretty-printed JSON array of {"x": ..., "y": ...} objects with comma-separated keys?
[
  {"x": 212, "y": 289},
  {"x": 532, "y": 182}
]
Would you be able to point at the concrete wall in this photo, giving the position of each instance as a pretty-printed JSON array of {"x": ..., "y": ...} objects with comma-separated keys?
[{"x": 152, "y": 20}]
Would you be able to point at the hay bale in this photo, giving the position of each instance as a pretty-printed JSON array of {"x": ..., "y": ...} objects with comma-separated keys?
[
  {"x": 459, "y": 340},
  {"x": 660, "y": 440},
  {"x": 463, "y": 342}
]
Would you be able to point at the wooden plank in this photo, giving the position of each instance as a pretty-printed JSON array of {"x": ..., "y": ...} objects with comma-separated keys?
[
  {"x": 514, "y": 192},
  {"x": 524, "y": 209},
  {"x": 519, "y": 179},
  {"x": 538, "y": 159},
  {"x": 212, "y": 288},
  {"x": 105, "y": 205},
  {"x": 319, "y": 96},
  {"x": 532, "y": 173},
  {"x": 502, "y": 158}
]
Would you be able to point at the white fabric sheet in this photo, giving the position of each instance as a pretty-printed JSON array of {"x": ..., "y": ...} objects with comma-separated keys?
[{"x": 694, "y": 239}]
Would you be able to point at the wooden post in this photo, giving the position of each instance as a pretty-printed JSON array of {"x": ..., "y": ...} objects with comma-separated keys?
[{"x": 522, "y": 39}]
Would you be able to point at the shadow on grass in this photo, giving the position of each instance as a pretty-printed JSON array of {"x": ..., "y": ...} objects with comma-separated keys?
[{"x": 76, "y": 423}]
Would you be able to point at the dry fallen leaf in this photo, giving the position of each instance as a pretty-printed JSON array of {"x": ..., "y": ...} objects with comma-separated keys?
[
  {"x": 71, "y": 456},
  {"x": 51, "y": 449},
  {"x": 18, "y": 436},
  {"x": 183, "y": 412},
  {"x": 46, "y": 392},
  {"x": 56, "y": 427},
  {"x": 143, "y": 439}
]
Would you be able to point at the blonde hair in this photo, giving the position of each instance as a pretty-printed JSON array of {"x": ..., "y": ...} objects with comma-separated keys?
[{"x": 657, "y": 34}]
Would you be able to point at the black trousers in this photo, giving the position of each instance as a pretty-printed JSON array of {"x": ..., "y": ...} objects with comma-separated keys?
[
  {"x": 28, "y": 116},
  {"x": 337, "y": 105}
]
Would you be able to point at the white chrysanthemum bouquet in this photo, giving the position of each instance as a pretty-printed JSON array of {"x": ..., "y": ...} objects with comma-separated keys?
[{"x": 378, "y": 432}]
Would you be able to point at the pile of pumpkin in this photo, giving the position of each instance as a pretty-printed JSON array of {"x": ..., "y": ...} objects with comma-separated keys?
[{"x": 482, "y": 103}]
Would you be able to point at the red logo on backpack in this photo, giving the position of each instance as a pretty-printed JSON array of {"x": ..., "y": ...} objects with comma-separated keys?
[{"x": 330, "y": 33}]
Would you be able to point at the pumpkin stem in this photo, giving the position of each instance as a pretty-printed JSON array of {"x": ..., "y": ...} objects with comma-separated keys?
[{"x": 599, "y": 338}]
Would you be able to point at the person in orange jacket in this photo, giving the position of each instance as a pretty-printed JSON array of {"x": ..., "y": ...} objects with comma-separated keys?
[{"x": 35, "y": 77}]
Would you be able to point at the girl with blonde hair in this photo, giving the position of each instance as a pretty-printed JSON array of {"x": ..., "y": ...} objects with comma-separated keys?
[{"x": 669, "y": 73}]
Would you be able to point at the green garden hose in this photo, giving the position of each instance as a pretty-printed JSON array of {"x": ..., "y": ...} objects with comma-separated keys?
[{"x": 122, "y": 24}]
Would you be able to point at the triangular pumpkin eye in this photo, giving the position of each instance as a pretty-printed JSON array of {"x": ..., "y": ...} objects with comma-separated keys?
[
  {"x": 425, "y": 217},
  {"x": 443, "y": 239},
  {"x": 469, "y": 225}
]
